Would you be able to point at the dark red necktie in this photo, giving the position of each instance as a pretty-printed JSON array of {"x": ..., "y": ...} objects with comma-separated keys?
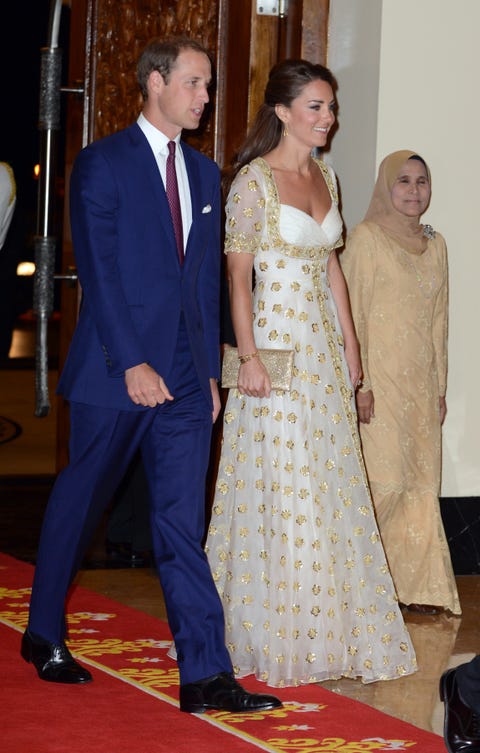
[{"x": 174, "y": 200}]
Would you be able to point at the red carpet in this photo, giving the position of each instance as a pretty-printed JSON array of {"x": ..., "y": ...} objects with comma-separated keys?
[{"x": 132, "y": 705}]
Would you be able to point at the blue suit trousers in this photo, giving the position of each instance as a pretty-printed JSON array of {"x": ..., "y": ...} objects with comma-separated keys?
[{"x": 174, "y": 439}]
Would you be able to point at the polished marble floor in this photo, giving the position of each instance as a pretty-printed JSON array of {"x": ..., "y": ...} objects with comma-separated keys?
[{"x": 26, "y": 474}]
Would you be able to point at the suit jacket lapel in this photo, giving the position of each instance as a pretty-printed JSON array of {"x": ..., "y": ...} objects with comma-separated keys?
[{"x": 157, "y": 188}]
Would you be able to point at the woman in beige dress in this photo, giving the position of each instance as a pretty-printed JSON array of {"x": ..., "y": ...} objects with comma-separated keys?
[
  {"x": 293, "y": 542},
  {"x": 396, "y": 270}
]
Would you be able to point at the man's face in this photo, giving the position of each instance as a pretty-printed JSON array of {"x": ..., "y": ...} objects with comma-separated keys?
[{"x": 180, "y": 102}]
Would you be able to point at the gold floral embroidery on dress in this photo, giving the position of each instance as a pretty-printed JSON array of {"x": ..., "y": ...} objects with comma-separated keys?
[
  {"x": 289, "y": 476},
  {"x": 248, "y": 242},
  {"x": 244, "y": 237},
  {"x": 273, "y": 216},
  {"x": 241, "y": 243},
  {"x": 345, "y": 389}
]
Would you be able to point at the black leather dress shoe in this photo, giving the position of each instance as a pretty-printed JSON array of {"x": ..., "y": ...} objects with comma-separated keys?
[
  {"x": 223, "y": 693},
  {"x": 461, "y": 729},
  {"x": 53, "y": 661}
]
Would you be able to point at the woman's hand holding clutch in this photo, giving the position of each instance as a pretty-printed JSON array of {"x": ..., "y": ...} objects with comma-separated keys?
[{"x": 253, "y": 379}]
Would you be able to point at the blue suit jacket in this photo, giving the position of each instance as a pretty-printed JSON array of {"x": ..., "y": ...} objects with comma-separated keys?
[{"x": 134, "y": 289}]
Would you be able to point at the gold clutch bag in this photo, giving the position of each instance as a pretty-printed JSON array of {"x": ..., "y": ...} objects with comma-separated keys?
[{"x": 278, "y": 363}]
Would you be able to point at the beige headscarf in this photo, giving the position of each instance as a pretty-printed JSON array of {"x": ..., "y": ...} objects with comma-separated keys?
[{"x": 406, "y": 230}]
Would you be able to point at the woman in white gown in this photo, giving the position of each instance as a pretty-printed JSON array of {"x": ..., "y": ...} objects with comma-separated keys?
[{"x": 293, "y": 543}]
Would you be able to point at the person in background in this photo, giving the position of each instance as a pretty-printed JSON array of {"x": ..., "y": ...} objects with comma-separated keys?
[
  {"x": 128, "y": 540},
  {"x": 460, "y": 692},
  {"x": 142, "y": 373},
  {"x": 8, "y": 258},
  {"x": 293, "y": 543},
  {"x": 396, "y": 271},
  {"x": 8, "y": 199}
]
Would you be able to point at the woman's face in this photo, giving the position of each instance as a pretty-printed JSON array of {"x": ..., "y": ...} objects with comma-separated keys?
[
  {"x": 411, "y": 190},
  {"x": 311, "y": 114}
]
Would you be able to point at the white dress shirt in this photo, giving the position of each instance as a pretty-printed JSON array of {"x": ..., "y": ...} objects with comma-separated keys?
[{"x": 158, "y": 143}]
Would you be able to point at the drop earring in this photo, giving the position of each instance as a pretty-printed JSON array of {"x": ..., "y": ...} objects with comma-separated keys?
[{"x": 285, "y": 130}]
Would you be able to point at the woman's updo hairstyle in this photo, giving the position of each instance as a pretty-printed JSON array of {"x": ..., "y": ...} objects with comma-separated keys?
[{"x": 285, "y": 83}]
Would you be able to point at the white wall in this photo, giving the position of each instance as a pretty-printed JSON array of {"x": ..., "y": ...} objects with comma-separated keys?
[
  {"x": 423, "y": 61},
  {"x": 354, "y": 58}
]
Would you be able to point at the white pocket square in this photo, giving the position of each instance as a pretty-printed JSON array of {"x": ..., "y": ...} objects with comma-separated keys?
[{"x": 206, "y": 209}]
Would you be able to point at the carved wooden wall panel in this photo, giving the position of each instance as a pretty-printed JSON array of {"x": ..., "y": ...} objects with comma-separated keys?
[{"x": 122, "y": 29}]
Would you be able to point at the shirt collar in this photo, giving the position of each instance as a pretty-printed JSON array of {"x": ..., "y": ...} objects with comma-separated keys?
[{"x": 157, "y": 140}]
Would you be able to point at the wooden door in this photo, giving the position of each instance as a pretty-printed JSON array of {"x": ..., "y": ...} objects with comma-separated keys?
[{"x": 106, "y": 38}]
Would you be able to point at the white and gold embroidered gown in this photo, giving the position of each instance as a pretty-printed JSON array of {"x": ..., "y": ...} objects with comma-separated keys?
[{"x": 293, "y": 543}]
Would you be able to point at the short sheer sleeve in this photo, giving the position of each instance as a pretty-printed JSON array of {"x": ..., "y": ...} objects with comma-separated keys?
[{"x": 245, "y": 212}]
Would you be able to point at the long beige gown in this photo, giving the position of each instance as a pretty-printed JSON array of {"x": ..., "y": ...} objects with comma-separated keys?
[
  {"x": 293, "y": 543},
  {"x": 399, "y": 303}
]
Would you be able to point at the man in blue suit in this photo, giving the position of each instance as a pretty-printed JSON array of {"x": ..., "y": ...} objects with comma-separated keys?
[{"x": 142, "y": 372}]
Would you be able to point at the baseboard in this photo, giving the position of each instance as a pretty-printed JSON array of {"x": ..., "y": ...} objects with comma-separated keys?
[{"x": 461, "y": 520}]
